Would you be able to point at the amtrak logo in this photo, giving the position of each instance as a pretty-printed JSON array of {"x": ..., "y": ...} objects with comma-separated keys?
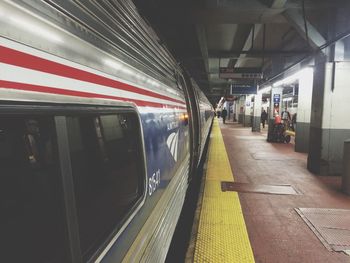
[{"x": 172, "y": 143}]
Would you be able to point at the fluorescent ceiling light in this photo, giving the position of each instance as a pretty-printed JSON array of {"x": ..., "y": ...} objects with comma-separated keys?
[
  {"x": 278, "y": 83},
  {"x": 300, "y": 75},
  {"x": 265, "y": 90}
]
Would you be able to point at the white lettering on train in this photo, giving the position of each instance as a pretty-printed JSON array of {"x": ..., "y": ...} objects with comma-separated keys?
[{"x": 153, "y": 182}]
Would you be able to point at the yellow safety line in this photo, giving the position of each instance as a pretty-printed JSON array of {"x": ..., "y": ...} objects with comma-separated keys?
[{"x": 222, "y": 233}]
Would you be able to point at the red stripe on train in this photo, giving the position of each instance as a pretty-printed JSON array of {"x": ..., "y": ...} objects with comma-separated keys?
[
  {"x": 44, "y": 89},
  {"x": 18, "y": 58}
]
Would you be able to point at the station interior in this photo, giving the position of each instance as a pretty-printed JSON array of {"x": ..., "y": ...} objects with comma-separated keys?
[
  {"x": 301, "y": 49},
  {"x": 269, "y": 81}
]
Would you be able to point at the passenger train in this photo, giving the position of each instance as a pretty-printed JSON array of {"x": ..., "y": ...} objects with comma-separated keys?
[{"x": 100, "y": 132}]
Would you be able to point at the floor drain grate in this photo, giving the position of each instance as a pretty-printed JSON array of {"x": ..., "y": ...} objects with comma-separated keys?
[
  {"x": 258, "y": 188},
  {"x": 251, "y": 137},
  {"x": 331, "y": 226},
  {"x": 272, "y": 156}
]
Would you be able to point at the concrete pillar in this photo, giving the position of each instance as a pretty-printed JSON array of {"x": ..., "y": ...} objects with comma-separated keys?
[
  {"x": 330, "y": 121},
  {"x": 247, "y": 120},
  {"x": 346, "y": 168},
  {"x": 275, "y": 104},
  {"x": 241, "y": 103},
  {"x": 302, "y": 131},
  {"x": 227, "y": 107},
  {"x": 257, "y": 113},
  {"x": 235, "y": 110},
  {"x": 330, "y": 118},
  {"x": 229, "y": 110}
]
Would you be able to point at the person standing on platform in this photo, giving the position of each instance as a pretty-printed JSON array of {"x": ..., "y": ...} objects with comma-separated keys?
[
  {"x": 285, "y": 118},
  {"x": 223, "y": 115},
  {"x": 263, "y": 118},
  {"x": 278, "y": 119}
]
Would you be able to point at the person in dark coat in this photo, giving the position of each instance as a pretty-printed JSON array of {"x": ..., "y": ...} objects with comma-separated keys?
[
  {"x": 224, "y": 115},
  {"x": 263, "y": 118}
]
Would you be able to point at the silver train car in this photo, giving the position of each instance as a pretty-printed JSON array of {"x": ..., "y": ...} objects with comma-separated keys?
[{"x": 100, "y": 132}]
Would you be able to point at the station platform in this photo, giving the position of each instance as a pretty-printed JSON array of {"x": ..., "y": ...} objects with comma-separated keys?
[{"x": 259, "y": 203}]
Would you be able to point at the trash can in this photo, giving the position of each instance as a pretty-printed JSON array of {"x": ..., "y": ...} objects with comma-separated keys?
[{"x": 346, "y": 168}]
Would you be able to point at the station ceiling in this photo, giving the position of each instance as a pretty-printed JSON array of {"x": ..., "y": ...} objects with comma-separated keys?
[{"x": 205, "y": 35}]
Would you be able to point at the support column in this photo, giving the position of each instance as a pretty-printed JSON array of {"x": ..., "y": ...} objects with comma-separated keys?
[
  {"x": 330, "y": 119},
  {"x": 247, "y": 112},
  {"x": 302, "y": 131},
  {"x": 257, "y": 113},
  {"x": 275, "y": 105},
  {"x": 227, "y": 107},
  {"x": 229, "y": 110},
  {"x": 235, "y": 110},
  {"x": 241, "y": 109}
]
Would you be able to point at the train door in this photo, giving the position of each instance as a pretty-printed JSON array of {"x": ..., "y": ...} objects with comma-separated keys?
[{"x": 194, "y": 122}]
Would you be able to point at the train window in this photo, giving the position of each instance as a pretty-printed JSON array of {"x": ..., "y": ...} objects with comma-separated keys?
[
  {"x": 31, "y": 222},
  {"x": 108, "y": 173}
]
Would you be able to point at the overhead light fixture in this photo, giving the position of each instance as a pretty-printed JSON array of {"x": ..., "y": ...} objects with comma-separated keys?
[
  {"x": 300, "y": 75},
  {"x": 278, "y": 83},
  {"x": 265, "y": 90}
]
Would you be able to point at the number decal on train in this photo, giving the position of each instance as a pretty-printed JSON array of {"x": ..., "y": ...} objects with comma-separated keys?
[{"x": 153, "y": 182}]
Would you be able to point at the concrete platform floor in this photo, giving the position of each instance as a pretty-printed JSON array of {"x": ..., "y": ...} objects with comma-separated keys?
[{"x": 276, "y": 231}]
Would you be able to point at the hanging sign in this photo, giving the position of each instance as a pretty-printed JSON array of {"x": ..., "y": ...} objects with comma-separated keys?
[
  {"x": 240, "y": 89},
  {"x": 240, "y": 73},
  {"x": 276, "y": 98}
]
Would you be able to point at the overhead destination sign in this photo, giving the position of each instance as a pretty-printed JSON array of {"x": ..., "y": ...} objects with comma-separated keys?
[
  {"x": 240, "y": 89},
  {"x": 240, "y": 73}
]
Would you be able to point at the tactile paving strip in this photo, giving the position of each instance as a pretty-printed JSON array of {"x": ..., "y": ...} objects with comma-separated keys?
[
  {"x": 331, "y": 226},
  {"x": 222, "y": 234},
  {"x": 258, "y": 188}
]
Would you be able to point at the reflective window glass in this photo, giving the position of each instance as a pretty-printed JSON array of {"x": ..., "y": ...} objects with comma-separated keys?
[
  {"x": 108, "y": 173},
  {"x": 31, "y": 222}
]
